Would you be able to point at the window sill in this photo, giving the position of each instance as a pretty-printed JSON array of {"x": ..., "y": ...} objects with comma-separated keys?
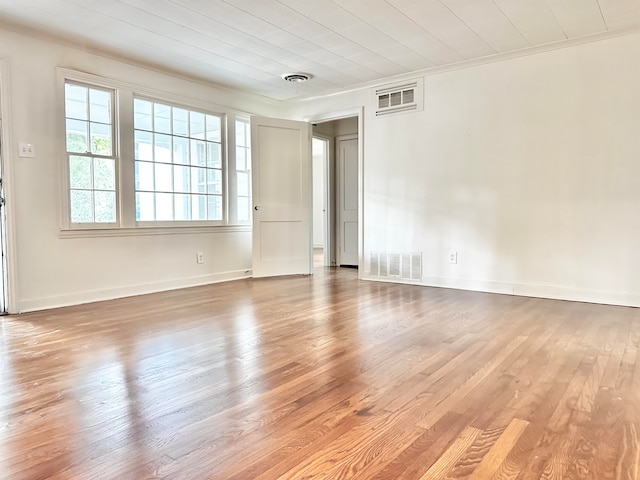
[{"x": 150, "y": 230}]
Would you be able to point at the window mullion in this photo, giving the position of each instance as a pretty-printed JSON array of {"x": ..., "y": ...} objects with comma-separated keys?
[{"x": 126, "y": 165}]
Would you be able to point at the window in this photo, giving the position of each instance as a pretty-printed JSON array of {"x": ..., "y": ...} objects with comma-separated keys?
[
  {"x": 90, "y": 154},
  {"x": 243, "y": 171},
  {"x": 139, "y": 158},
  {"x": 178, "y": 163}
]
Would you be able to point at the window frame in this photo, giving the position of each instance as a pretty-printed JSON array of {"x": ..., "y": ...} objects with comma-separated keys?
[
  {"x": 224, "y": 140},
  {"x": 123, "y": 138},
  {"x": 234, "y": 210},
  {"x": 89, "y": 81}
]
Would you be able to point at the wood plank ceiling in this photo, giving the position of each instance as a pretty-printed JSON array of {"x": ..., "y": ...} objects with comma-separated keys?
[{"x": 249, "y": 44}]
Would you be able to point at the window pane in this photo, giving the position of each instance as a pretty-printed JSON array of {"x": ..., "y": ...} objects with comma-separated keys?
[
  {"x": 198, "y": 180},
  {"x": 213, "y": 128},
  {"x": 196, "y": 125},
  {"x": 181, "y": 150},
  {"x": 100, "y": 106},
  {"x": 242, "y": 133},
  {"x": 81, "y": 206},
  {"x": 104, "y": 175},
  {"x": 243, "y": 184},
  {"x": 214, "y": 181},
  {"x": 80, "y": 172},
  {"x": 77, "y": 136},
  {"x": 161, "y": 118},
  {"x": 105, "y": 207},
  {"x": 142, "y": 114},
  {"x": 182, "y": 205},
  {"x": 145, "y": 210},
  {"x": 164, "y": 206},
  {"x": 241, "y": 158},
  {"x": 164, "y": 177},
  {"x": 100, "y": 139},
  {"x": 180, "y": 122},
  {"x": 199, "y": 207},
  {"x": 75, "y": 101},
  {"x": 198, "y": 153},
  {"x": 162, "y": 151},
  {"x": 214, "y": 208},
  {"x": 144, "y": 176},
  {"x": 143, "y": 149},
  {"x": 181, "y": 179},
  {"x": 214, "y": 157},
  {"x": 243, "y": 209}
]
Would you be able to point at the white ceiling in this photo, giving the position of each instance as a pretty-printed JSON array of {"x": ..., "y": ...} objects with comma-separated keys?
[{"x": 249, "y": 44}]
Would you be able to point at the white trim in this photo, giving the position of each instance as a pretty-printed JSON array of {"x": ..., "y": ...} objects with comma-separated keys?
[
  {"x": 89, "y": 296},
  {"x": 152, "y": 230},
  {"x": 8, "y": 156},
  {"x": 553, "y": 292}
]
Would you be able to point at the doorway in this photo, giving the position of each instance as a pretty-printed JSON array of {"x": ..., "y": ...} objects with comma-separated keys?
[
  {"x": 320, "y": 147},
  {"x": 336, "y": 192}
]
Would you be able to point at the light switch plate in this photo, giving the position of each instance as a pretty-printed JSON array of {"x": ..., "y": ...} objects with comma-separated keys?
[{"x": 27, "y": 150}]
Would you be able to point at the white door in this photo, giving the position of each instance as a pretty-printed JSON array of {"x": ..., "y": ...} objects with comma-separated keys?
[
  {"x": 347, "y": 178},
  {"x": 281, "y": 158}
]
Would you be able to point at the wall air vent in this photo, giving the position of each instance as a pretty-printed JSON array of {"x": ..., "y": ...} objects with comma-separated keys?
[
  {"x": 403, "y": 266},
  {"x": 398, "y": 98}
]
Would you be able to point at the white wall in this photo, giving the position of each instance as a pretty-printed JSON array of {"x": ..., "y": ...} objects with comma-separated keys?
[
  {"x": 345, "y": 126},
  {"x": 528, "y": 168},
  {"x": 48, "y": 270}
]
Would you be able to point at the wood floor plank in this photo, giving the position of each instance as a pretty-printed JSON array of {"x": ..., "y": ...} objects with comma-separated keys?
[
  {"x": 425, "y": 450},
  {"x": 449, "y": 458},
  {"x": 497, "y": 454},
  {"x": 428, "y": 420},
  {"x": 320, "y": 377},
  {"x": 628, "y": 466}
]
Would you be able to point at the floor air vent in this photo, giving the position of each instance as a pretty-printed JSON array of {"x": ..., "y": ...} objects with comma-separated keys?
[{"x": 404, "y": 266}]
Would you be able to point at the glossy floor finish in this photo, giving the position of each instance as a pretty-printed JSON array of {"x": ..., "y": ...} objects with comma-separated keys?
[{"x": 321, "y": 377}]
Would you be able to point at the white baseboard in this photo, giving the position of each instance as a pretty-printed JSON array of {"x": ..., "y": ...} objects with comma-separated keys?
[
  {"x": 554, "y": 292},
  {"x": 76, "y": 298}
]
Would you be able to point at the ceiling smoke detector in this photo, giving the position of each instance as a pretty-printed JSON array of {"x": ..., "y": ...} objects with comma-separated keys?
[{"x": 296, "y": 77}]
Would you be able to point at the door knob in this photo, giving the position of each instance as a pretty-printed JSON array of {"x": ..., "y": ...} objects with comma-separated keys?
[{"x": 256, "y": 208}]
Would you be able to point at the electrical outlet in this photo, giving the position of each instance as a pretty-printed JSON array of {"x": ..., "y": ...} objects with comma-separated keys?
[
  {"x": 453, "y": 258},
  {"x": 26, "y": 150},
  {"x": 200, "y": 257}
]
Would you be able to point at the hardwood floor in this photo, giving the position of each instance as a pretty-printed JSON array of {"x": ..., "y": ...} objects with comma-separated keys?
[{"x": 321, "y": 377}]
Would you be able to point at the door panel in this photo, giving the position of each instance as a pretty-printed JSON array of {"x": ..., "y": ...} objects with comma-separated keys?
[
  {"x": 348, "y": 201},
  {"x": 281, "y": 151}
]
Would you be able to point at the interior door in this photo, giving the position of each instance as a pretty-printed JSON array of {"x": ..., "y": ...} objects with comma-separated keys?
[
  {"x": 282, "y": 234},
  {"x": 347, "y": 147}
]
